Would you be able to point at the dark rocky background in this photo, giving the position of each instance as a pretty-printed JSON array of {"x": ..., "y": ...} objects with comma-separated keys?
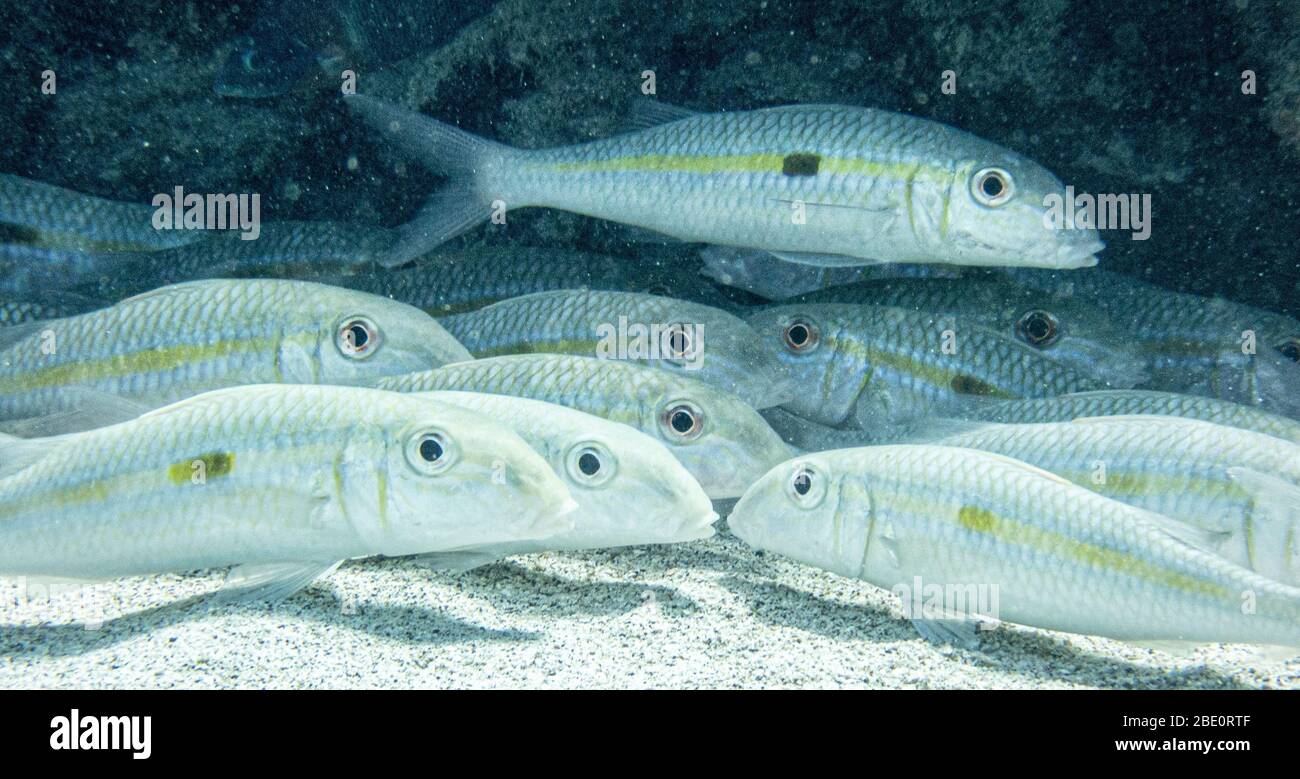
[{"x": 1132, "y": 97}]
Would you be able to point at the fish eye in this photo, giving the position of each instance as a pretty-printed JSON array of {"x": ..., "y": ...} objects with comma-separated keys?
[
  {"x": 590, "y": 464},
  {"x": 800, "y": 335},
  {"x": 806, "y": 485},
  {"x": 659, "y": 290},
  {"x": 1290, "y": 349},
  {"x": 357, "y": 338},
  {"x": 430, "y": 452},
  {"x": 679, "y": 343},
  {"x": 992, "y": 186},
  {"x": 683, "y": 421},
  {"x": 1038, "y": 328}
]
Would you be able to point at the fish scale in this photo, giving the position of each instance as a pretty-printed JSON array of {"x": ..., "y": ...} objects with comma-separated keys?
[
  {"x": 1125, "y": 402},
  {"x": 756, "y": 140},
  {"x": 1060, "y": 557}
]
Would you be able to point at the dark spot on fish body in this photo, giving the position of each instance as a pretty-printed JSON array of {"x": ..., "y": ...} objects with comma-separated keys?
[
  {"x": 969, "y": 385},
  {"x": 801, "y": 164},
  {"x": 214, "y": 465},
  {"x": 976, "y": 519}
]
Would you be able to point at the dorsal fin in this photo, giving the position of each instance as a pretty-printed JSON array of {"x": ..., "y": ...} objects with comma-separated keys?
[{"x": 648, "y": 112}]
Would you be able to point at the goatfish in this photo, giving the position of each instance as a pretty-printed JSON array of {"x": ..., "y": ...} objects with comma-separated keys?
[
  {"x": 608, "y": 468},
  {"x": 1070, "y": 329},
  {"x": 814, "y": 184},
  {"x": 453, "y": 281},
  {"x": 1105, "y": 403},
  {"x": 862, "y": 367},
  {"x": 285, "y": 249},
  {"x": 1242, "y": 488},
  {"x": 46, "y": 215},
  {"x": 284, "y": 482},
  {"x": 1004, "y": 540},
  {"x": 184, "y": 339},
  {"x": 1206, "y": 346},
  {"x": 702, "y": 342},
  {"x": 723, "y": 442}
]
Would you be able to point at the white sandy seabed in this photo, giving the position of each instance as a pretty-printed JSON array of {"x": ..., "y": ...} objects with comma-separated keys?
[{"x": 706, "y": 614}]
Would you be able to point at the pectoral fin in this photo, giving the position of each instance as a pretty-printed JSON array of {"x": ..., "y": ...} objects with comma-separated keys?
[{"x": 271, "y": 581}]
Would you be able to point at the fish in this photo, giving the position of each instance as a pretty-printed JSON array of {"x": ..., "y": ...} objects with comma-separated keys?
[
  {"x": 822, "y": 185},
  {"x": 283, "y": 249},
  {"x": 1204, "y": 346},
  {"x": 1240, "y": 486},
  {"x": 46, "y": 215},
  {"x": 608, "y": 467},
  {"x": 1070, "y": 329},
  {"x": 702, "y": 342},
  {"x": 1006, "y": 541},
  {"x": 298, "y": 44},
  {"x": 454, "y": 281},
  {"x": 723, "y": 442},
  {"x": 864, "y": 367},
  {"x": 283, "y": 482},
  {"x": 1126, "y": 402},
  {"x": 184, "y": 339}
]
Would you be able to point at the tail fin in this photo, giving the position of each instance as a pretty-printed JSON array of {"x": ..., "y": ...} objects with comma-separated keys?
[{"x": 442, "y": 149}]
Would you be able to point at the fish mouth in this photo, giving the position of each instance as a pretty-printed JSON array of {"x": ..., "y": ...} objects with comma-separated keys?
[
  {"x": 700, "y": 528},
  {"x": 1081, "y": 254},
  {"x": 778, "y": 393},
  {"x": 550, "y": 521}
]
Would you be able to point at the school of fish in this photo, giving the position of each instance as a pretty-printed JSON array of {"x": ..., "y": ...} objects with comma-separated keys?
[{"x": 883, "y": 356}]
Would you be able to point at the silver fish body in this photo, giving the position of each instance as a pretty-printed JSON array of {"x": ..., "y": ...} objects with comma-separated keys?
[
  {"x": 1105, "y": 403},
  {"x": 724, "y": 443},
  {"x": 821, "y": 184},
  {"x": 181, "y": 340},
  {"x": 1070, "y": 330},
  {"x": 862, "y": 366},
  {"x": 1206, "y": 346},
  {"x": 67, "y": 219},
  {"x": 288, "y": 249},
  {"x": 270, "y": 475},
  {"x": 1046, "y": 552},
  {"x": 1241, "y": 487},
  {"x": 608, "y": 467},
  {"x": 453, "y": 281},
  {"x": 697, "y": 341}
]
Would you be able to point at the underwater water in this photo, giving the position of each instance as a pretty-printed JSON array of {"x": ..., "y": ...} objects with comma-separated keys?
[{"x": 593, "y": 344}]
